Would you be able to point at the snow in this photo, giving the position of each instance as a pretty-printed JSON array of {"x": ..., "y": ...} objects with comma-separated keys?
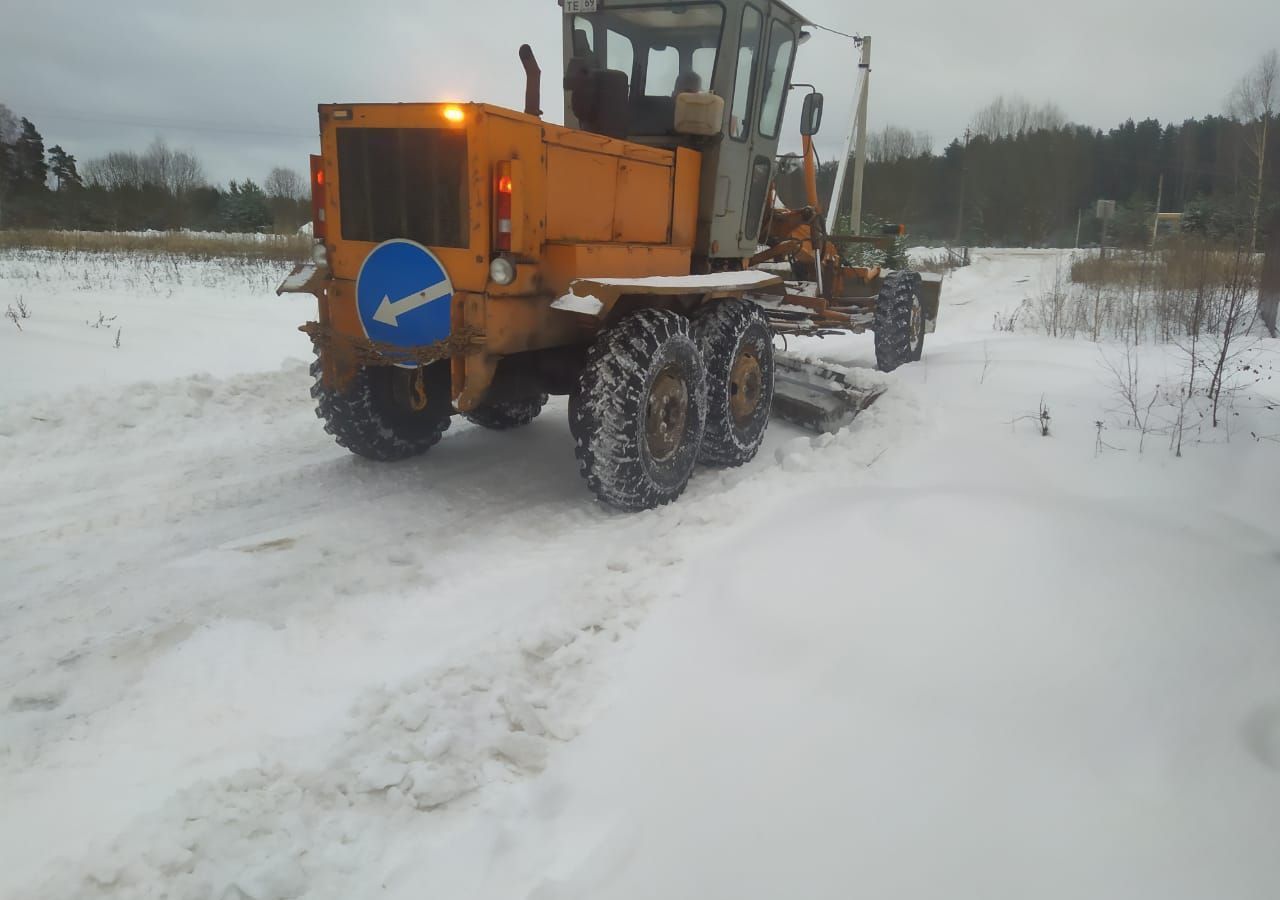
[
  {"x": 588, "y": 304},
  {"x": 297, "y": 280},
  {"x": 774, "y": 304},
  {"x": 935, "y": 653},
  {"x": 174, "y": 317},
  {"x": 260, "y": 237},
  {"x": 715, "y": 281}
]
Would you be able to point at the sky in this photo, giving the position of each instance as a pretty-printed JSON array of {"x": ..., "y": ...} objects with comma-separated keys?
[{"x": 237, "y": 82}]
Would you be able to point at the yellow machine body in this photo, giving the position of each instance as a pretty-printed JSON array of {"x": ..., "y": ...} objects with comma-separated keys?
[{"x": 582, "y": 205}]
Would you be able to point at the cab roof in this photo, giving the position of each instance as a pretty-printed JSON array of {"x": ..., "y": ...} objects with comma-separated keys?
[{"x": 605, "y": 4}]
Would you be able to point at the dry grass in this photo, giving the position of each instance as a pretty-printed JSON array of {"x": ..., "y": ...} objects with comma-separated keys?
[
  {"x": 1179, "y": 265},
  {"x": 1181, "y": 290},
  {"x": 282, "y": 248}
]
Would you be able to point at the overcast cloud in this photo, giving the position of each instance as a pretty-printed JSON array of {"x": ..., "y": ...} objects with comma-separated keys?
[{"x": 237, "y": 82}]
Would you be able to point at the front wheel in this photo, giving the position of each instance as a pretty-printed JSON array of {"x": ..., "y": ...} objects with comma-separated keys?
[
  {"x": 899, "y": 324},
  {"x": 638, "y": 412}
]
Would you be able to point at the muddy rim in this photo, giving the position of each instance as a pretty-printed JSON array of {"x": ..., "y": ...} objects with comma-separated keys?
[
  {"x": 917, "y": 321},
  {"x": 746, "y": 385},
  {"x": 666, "y": 413}
]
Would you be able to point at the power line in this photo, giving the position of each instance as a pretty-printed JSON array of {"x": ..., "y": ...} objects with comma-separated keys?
[
  {"x": 857, "y": 38},
  {"x": 167, "y": 123}
]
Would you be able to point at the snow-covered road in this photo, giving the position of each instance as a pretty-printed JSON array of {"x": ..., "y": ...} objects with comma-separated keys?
[{"x": 937, "y": 653}]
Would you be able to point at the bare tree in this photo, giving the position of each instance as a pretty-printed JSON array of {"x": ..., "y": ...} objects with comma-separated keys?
[
  {"x": 894, "y": 143},
  {"x": 177, "y": 171},
  {"x": 121, "y": 169},
  {"x": 1234, "y": 326},
  {"x": 186, "y": 173},
  {"x": 1013, "y": 115},
  {"x": 1253, "y": 102},
  {"x": 286, "y": 192},
  {"x": 157, "y": 162},
  {"x": 284, "y": 183}
]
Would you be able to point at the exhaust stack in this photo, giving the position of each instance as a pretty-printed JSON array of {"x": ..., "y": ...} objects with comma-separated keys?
[{"x": 532, "y": 82}]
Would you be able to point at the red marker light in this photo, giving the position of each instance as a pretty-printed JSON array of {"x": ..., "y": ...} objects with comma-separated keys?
[
  {"x": 318, "y": 198},
  {"x": 502, "y": 206}
]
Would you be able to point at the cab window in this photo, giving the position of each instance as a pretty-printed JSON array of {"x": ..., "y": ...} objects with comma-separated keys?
[
  {"x": 620, "y": 54},
  {"x": 704, "y": 63},
  {"x": 663, "y": 70},
  {"x": 664, "y": 51},
  {"x": 782, "y": 47},
  {"x": 744, "y": 77},
  {"x": 584, "y": 34}
]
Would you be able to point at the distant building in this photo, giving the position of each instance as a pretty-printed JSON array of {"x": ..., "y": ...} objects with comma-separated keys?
[{"x": 1168, "y": 223}]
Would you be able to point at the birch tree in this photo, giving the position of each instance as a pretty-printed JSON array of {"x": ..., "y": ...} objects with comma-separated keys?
[{"x": 1253, "y": 103}]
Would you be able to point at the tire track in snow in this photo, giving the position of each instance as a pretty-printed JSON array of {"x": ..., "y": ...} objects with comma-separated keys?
[{"x": 312, "y": 820}]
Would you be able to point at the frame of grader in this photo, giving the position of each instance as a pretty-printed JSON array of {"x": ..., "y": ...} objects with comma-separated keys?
[{"x": 472, "y": 260}]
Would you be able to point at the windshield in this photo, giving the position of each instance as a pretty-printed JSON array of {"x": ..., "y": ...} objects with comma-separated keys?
[{"x": 663, "y": 51}]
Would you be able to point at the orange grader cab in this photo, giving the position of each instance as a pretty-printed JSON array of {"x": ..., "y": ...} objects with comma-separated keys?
[{"x": 472, "y": 260}]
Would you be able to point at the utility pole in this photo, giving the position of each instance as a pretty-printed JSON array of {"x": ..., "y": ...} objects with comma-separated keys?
[
  {"x": 855, "y": 146},
  {"x": 1155, "y": 226},
  {"x": 860, "y": 163},
  {"x": 1079, "y": 218},
  {"x": 1104, "y": 210},
  {"x": 964, "y": 170}
]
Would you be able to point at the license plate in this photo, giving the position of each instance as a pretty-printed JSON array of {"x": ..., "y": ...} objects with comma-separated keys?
[{"x": 573, "y": 7}]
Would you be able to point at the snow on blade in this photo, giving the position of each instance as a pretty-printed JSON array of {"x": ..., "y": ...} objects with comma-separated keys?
[{"x": 745, "y": 279}]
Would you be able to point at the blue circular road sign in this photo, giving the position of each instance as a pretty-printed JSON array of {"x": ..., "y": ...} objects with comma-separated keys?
[{"x": 404, "y": 295}]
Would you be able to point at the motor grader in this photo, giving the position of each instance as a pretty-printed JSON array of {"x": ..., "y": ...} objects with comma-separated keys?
[{"x": 474, "y": 260}]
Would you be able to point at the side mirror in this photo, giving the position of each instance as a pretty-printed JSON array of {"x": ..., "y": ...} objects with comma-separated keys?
[{"x": 811, "y": 114}]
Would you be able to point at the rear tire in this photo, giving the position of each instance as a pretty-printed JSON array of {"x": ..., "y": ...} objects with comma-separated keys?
[
  {"x": 899, "y": 324},
  {"x": 374, "y": 417},
  {"x": 638, "y": 412},
  {"x": 508, "y": 414},
  {"x": 737, "y": 348}
]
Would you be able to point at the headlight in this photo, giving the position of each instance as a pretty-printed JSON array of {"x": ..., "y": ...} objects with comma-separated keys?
[
  {"x": 502, "y": 271},
  {"x": 319, "y": 255}
]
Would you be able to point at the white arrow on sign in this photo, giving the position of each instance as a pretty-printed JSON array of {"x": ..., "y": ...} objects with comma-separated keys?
[{"x": 389, "y": 311}]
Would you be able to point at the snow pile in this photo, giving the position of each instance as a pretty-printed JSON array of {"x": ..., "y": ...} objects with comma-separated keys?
[
  {"x": 587, "y": 304},
  {"x": 237, "y": 662}
]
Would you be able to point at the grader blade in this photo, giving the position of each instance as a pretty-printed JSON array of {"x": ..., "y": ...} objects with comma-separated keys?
[{"x": 817, "y": 395}]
